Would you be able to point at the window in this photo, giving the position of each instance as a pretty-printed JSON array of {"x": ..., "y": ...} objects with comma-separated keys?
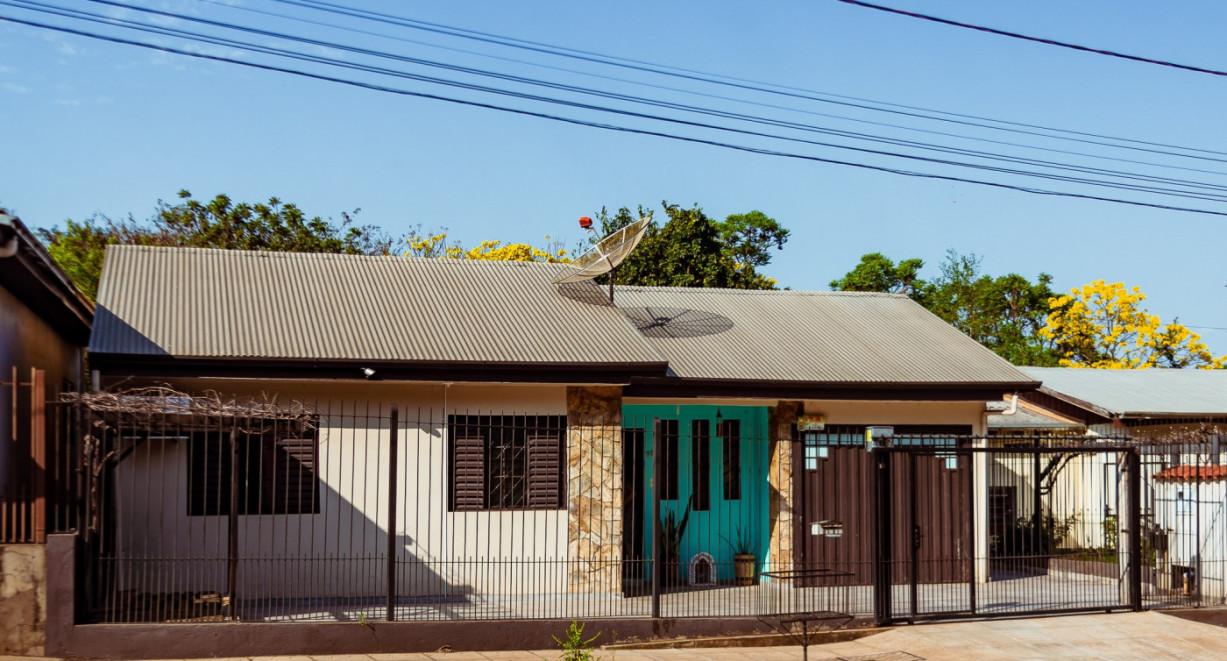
[
  {"x": 276, "y": 471},
  {"x": 700, "y": 460},
  {"x": 667, "y": 452},
  {"x": 731, "y": 429},
  {"x": 507, "y": 462},
  {"x": 1002, "y": 509}
]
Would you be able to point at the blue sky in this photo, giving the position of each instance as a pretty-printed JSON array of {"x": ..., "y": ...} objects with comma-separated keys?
[{"x": 88, "y": 126}]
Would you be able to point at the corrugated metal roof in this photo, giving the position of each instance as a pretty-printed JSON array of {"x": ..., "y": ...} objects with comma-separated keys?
[
  {"x": 1146, "y": 392},
  {"x": 188, "y": 302},
  {"x": 813, "y": 337},
  {"x": 1024, "y": 418}
]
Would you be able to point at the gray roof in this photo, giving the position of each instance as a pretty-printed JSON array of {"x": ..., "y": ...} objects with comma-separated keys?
[
  {"x": 233, "y": 304},
  {"x": 1138, "y": 393},
  {"x": 1024, "y": 418},
  {"x": 189, "y": 302},
  {"x": 816, "y": 337}
]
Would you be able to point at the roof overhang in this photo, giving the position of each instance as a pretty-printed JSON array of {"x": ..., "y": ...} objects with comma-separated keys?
[
  {"x": 122, "y": 365},
  {"x": 33, "y": 277},
  {"x": 884, "y": 391}
]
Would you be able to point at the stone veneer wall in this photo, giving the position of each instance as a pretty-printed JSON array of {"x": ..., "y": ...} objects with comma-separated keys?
[
  {"x": 779, "y": 482},
  {"x": 23, "y": 599},
  {"x": 594, "y": 488}
]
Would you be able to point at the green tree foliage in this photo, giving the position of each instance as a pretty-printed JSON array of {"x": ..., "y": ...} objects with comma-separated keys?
[
  {"x": 692, "y": 250},
  {"x": 219, "y": 223},
  {"x": 1005, "y": 313},
  {"x": 879, "y": 273}
]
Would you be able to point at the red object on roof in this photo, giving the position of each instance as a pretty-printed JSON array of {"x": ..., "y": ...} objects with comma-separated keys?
[
  {"x": 585, "y": 222},
  {"x": 1192, "y": 473}
]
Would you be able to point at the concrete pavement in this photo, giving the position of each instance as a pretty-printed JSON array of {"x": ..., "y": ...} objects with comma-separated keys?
[{"x": 1148, "y": 636}]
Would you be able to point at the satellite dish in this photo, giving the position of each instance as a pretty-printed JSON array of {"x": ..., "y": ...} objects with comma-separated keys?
[{"x": 605, "y": 255}]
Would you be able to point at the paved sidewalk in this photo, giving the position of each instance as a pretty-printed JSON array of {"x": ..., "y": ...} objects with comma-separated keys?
[{"x": 1149, "y": 636}]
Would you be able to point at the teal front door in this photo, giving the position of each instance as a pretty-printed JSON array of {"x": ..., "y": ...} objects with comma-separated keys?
[{"x": 713, "y": 483}]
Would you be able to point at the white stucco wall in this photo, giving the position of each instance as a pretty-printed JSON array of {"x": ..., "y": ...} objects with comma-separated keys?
[{"x": 441, "y": 552}]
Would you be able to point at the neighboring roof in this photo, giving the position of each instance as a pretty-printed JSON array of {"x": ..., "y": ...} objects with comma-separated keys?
[
  {"x": 823, "y": 337},
  {"x": 1137, "y": 393},
  {"x": 1030, "y": 417},
  {"x": 36, "y": 280},
  {"x": 1191, "y": 474},
  {"x": 225, "y": 304}
]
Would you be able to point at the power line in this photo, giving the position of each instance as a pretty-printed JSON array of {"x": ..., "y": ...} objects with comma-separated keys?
[
  {"x": 72, "y": 13},
  {"x": 610, "y": 127},
  {"x": 1040, "y": 40},
  {"x": 746, "y": 84},
  {"x": 761, "y": 104}
]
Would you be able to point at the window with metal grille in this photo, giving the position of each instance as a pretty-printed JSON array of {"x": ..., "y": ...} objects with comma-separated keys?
[
  {"x": 668, "y": 453},
  {"x": 507, "y": 462},
  {"x": 731, "y": 431},
  {"x": 700, "y": 459},
  {"x": 275, "y": 474}
]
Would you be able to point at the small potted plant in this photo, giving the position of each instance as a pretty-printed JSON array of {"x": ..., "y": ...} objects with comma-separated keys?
[
  {"x": 742, "y": 545},
  {"x": 672, "y": 530}
]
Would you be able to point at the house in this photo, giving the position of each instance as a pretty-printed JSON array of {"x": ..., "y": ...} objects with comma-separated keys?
[
  {"x": 1190, "y": 513},
  {"x": 1176, "y": 418},
  {"x": 44, "y": 326},
  {"x": 536, "y": 428}
]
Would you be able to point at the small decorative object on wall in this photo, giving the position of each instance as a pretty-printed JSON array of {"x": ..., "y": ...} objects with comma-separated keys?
[
  {"x": 811, "y": 423},
  {"x": 702, "y": 569}
]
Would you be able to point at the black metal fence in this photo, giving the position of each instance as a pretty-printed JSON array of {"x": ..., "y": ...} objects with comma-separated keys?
[{"x": 357, "y": 511}]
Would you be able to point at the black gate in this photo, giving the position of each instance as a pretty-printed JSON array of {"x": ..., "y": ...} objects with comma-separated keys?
[
  {"x": 1006, "y": 530},
  {"x": 945, "y": 525}
]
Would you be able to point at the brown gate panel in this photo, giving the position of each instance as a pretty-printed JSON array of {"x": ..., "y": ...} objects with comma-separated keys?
[{"x": 931, "y": 505}]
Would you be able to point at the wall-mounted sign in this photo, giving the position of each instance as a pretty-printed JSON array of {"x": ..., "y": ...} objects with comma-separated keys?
[
  {"x": 826, "y": 528},
  {"x": 811, "y": 423}
]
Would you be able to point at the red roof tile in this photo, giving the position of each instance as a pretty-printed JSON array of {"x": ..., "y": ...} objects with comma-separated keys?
[{"x": 1190, "y": 473}]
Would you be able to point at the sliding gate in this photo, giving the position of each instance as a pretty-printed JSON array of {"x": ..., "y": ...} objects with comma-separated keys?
[{"x": 939, "y": 528}]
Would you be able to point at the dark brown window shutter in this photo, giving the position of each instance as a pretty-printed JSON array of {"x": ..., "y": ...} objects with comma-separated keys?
[
  {"x": 292, "y": 482},
  {"x": 544, "y": 471},
  {"x": 468, "y": 473}
]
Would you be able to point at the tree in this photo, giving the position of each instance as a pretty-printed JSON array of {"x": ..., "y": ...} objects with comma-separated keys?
[
  {"x": 432, "y": 244},
  {"x": 1004, "y": 313},
  {"x": 1104, "y": 325},
  {"x": 692, "y": 250},
  {"x": 879, "y": 273},
  {"x": 219, "y": 223}
]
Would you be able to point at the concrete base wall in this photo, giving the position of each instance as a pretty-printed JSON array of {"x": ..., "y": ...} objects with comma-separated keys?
[{"x": 23, "y": 599}]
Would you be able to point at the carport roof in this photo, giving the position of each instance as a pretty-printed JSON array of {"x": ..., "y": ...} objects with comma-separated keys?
[{"x": 1171, "y": 393}]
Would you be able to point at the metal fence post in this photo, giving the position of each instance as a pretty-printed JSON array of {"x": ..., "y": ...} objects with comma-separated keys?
[
  {"x": 1134, "y": 491},
  {"x": 1037, "y": 516},
  {"x": 880, "y": 482},
  {"x": 392, "y": 431},
  {"x": 657, "y": 475},
  {"x": 233, "y": 551}
]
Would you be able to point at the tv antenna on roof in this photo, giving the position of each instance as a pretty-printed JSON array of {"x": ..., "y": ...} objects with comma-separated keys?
[{"x": 606, "y": 255}]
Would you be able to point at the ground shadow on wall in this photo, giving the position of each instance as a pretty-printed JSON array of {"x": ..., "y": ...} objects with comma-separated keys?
[{"x": 334, "y": 568}]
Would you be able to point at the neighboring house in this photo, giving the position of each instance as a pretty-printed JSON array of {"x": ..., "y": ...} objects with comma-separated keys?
[
  {"x": 529, "y": 419},
  {"x": 1190, "y": 509},
  {"x": 44, "y": 326},
  {"x": 1177, "y": 417}
]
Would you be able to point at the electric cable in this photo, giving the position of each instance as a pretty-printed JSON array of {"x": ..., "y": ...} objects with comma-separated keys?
[
  {"x": 1040, "y": 40},
  {"x": 610, "y": 127},
  {"x": 687, "y": 108}
]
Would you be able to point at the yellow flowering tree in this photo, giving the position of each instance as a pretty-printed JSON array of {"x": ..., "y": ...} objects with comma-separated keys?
[
  {"x": 436, "y": 245},
  {"x": 1103, "y": 325}
]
